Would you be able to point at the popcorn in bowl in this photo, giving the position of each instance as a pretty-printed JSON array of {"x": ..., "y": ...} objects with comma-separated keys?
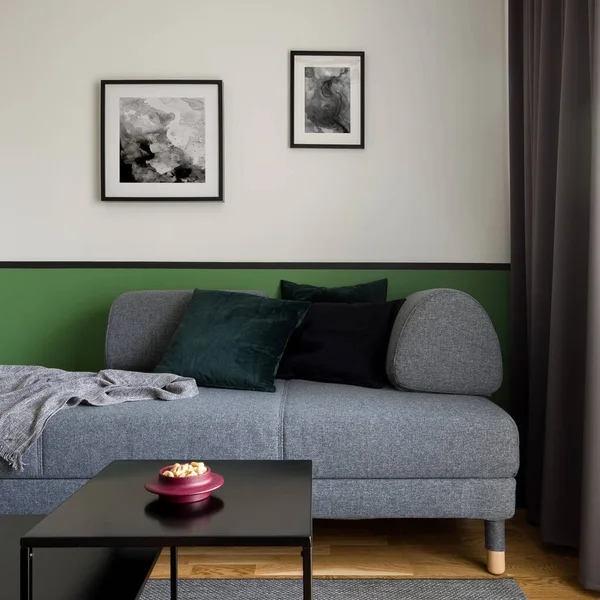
[{"x": 192, "y": 469}]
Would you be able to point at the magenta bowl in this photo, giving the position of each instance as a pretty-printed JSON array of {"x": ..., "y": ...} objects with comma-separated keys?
[
  {"x": 184, "y": 490},
  {"x": 180, "y": 482}
]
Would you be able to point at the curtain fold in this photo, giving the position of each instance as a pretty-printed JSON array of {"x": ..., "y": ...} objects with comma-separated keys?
[
  {"x": 551, "y": 59},
  {"x": 590, "y": 517}
]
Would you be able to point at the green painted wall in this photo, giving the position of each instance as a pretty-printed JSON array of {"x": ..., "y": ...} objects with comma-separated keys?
[{"x": 57, "y": 317}]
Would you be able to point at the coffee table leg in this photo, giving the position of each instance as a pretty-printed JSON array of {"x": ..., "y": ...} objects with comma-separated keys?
[
  {"x": 173, "y": 572},
  {"x": 307, "y": 572},
  {"x": 26, "y": 573}
]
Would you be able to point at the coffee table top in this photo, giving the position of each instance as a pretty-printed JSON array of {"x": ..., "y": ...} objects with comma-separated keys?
[{"x": 262, "y": 503}]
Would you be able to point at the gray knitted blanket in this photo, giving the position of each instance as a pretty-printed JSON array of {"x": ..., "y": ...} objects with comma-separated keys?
[{"x": 29, "y": 396}]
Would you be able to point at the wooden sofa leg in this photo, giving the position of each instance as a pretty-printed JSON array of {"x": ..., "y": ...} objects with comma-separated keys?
[
  {"x": 496, "y": 562},
  {"x": 496, "y": 547}
]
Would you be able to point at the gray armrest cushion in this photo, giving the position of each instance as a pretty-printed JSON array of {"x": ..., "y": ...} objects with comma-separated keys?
[{"x": 444, "y": 341}]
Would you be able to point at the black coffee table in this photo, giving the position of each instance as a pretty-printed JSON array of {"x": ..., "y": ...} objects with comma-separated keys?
[
  {"x": 72, "y": 573},
  {"x": 263, "y": 503}
]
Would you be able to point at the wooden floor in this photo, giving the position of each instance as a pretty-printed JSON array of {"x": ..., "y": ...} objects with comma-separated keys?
[{"x": 400, "y": 548}]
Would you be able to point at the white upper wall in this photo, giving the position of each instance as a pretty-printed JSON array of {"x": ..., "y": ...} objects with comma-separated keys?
[{"x": 431, "y": 185}]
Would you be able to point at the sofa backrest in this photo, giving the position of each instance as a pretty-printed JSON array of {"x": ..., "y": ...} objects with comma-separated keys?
[{"x": 140, "y": 326}]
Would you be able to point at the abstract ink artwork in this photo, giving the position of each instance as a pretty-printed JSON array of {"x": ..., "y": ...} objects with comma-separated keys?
[
  {"x": 162, "y": 140},
  {"x": 327, "y": 99}
]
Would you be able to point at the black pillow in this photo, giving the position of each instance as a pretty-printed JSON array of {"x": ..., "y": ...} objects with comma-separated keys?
[
  {"x": 374, "y": 291},
  {"x": 341, "y": 343}
]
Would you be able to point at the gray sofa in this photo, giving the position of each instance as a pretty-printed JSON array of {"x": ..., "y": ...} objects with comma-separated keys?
[{"x": 438, "y": 448}]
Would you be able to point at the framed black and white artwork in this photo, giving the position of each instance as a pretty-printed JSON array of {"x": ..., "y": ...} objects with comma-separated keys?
[
  {"x": 162, "y": 140},
  {"x": 327, "y": 99}
]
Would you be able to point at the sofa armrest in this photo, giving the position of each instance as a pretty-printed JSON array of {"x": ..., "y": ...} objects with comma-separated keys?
[{"x": 443, "y": 341}]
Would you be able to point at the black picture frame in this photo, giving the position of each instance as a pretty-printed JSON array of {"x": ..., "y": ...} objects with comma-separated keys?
[
  {"x": 360, "y": 145},
  {"x": 105, "y": 197}
]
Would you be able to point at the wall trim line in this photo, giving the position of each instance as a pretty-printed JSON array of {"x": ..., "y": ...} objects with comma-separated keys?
[{"x": 372, "y": 266}]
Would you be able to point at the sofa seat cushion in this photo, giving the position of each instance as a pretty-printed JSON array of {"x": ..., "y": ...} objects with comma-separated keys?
[
  {"x": 215, "y": 424},
  {"x": 355, "y": 433}
]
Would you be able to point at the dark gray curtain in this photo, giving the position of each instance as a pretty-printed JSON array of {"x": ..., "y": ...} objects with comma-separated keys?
[{"x": 551, "y": 50}]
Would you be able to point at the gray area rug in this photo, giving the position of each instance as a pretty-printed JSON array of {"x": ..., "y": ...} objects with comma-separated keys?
[{"x": 338, "y": 589}]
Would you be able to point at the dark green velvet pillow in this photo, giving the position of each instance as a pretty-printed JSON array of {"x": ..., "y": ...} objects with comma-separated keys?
[
  {"x": 374, "y": 291},
  {"x": 232, "y": 340}
]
